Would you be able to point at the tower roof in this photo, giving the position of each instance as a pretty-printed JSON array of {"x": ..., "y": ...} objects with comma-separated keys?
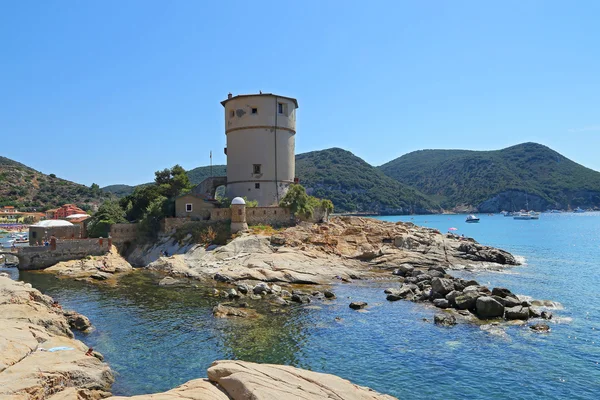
[{"x": 261, "y": 94}]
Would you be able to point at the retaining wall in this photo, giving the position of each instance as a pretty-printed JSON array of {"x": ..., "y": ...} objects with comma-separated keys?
[
  {"x": 123, "y": 232},
  {"x": 41, "y": 257}
]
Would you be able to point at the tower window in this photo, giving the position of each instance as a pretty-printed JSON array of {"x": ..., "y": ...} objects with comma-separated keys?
[
  {"x": 254, "y": 110},
  {"x": 257, "y": 168},
  {"x": 282, "y": 108},
  {"x": 257, "y": 186},
  {"x": 188, "y": 207},
  {"x": 231, "y": 113}
]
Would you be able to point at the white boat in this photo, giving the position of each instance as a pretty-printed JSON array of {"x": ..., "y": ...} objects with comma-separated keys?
[
  {"x": 527, "y": 215},
  {"x": 472, "y": 219},
  {"x": 579, "y": 210}
]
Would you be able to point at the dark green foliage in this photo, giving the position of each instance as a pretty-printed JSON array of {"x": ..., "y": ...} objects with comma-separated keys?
[
  {"x": 110, "y": 212},
  {"x": 355, "y": 186},
  {"x": 462, "y": 177},
  {"x": 298, "y": 202}
]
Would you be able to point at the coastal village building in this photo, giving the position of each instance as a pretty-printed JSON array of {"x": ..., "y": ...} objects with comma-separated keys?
[
  {"x": 194, "y": 206},
  {"x": 66, "y": 210},
  {"x": 60, "y": 229}
]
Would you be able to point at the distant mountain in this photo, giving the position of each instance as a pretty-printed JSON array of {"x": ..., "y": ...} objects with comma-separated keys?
[
  {"x": 199, "y": 174},
  {"x": 26, "y": 188},
  {"x": 490, "y": 181},
  {"x": 119, "y": 190},
  {"x": 355, "y": 186}
]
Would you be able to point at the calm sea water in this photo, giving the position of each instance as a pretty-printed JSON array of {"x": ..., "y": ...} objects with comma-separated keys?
[{"x": 156, "y": 338}]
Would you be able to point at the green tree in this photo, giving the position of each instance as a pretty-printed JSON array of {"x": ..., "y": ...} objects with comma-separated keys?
[
  {"x": 110, "y": 212},
  {"x": 297, "y": 201},
  {"x": 172, "y": 182}
]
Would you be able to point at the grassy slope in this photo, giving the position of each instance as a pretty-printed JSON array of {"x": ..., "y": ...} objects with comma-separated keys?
[{"x": 456, "y": 177}]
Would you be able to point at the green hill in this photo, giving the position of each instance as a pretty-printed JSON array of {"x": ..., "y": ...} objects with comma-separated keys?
[
  {"x": 501, "y": 179},
  {"x": 355, "y": 186},
  {"x": 199, "y": 174},
  {"x": 27, "y": 188},
  {"x": 348, "y": 181}
]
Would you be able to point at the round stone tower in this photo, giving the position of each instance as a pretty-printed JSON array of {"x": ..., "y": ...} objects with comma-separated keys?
[
  {"x": 261, "y": 130},
  {"x": 238, "y": 215}
]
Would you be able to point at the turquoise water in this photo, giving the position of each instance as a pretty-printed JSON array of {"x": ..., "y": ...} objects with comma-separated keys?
[{"x": 156, "y": 338}]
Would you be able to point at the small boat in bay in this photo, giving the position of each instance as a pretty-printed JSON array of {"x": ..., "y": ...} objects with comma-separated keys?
[
  {"x": 578, "y": 210},
  {"x": 472, "y": 219}
]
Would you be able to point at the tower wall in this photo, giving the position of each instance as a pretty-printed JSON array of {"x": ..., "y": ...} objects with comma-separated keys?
[{"x": 260, "y": 133}]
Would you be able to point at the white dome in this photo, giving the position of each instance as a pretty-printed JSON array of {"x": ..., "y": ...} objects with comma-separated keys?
[
  {"x": 238, "y": 201},
  {"x": 52, "y": 223}
]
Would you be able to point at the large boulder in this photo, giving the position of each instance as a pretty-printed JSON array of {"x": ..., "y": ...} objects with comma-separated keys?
[
  {"x": 404, "y": 270},
  {"x": 518, "y": 312},
  {"x": 508, "y": 301},
  {"x": 442, "y": 286},
  {"x": 466, "y": 301},
  {"x": 486, "y": 307},
  {"x": 502, "y": 292},
  {"x": 441, "y": 303},
  {"x": 244, "y": 380},
  {"x": 78, "y": 321}
]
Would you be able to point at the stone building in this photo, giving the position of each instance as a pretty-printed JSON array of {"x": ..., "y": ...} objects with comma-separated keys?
[
  {"x": 58, "y": 228},
  {"x": 194, "y": 206},
  {"x": 260, "y": 130}
]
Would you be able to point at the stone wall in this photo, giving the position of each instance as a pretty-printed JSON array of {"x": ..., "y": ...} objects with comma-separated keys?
[
  {"x": 220, "y": 214},
  {"x": 41, "y": 257},
  {"x": 268, "y": 216},
  {"x": 121, "y": 233}
]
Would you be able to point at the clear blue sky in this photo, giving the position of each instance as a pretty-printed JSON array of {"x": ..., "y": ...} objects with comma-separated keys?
[{"x": 110, "y": 91}]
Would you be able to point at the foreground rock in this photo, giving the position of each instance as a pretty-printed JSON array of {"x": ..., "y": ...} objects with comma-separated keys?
[
  {"x": 239, "y": 380},
  {"x": 93, "y": 268},
  {"x": 344, "y": 248},
  {"x": 39, "y": 359}
]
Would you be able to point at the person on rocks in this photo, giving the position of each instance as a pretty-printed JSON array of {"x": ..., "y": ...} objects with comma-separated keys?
[
  {"x": 90, "y": 352},
  {"x": 56, "y": 305}
]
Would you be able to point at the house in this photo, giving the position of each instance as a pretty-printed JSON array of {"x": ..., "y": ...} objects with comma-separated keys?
[
  {"x": 42, "y": 231},
  {"x": 64, "y": 211},
  {"x": 194, "y": 206}
]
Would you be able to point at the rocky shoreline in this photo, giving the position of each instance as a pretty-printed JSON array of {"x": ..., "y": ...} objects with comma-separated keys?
[{"x": 40, "y": 359}]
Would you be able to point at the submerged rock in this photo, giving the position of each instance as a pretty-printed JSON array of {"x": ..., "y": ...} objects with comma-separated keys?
[
  {"x": 444, "y": 319},
  {"x": 358, "y": 305},
  {"x": 540, "y": 328},
  {"x": 329, "y": 294},
  {"x": 222, "y": 311}
]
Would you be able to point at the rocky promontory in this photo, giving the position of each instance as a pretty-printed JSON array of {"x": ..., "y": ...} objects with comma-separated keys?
[
  {"x": 107, "y": 267},
  {"x": 344, "y": 247}
]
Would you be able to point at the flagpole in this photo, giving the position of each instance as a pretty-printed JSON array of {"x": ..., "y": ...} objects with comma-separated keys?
[{"x": 211, "y": 174}]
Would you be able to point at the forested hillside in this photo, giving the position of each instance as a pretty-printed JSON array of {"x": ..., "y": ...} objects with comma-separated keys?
[
  {"x": 355, "y": 186},
  {"x": 501, "y": 179},
  {"x": 27, "y": 188}
]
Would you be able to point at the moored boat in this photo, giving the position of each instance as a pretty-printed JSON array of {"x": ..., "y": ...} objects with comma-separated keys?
[{"x": 472, "y": 219}]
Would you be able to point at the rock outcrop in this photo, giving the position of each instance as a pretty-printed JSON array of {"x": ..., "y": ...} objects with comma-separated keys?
[
  {"x": 345, "y": 248},
  {"x": 93, "y": 268},
  {"x": 240, "y": 380},
  {"x": 39, "y": 359}
]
